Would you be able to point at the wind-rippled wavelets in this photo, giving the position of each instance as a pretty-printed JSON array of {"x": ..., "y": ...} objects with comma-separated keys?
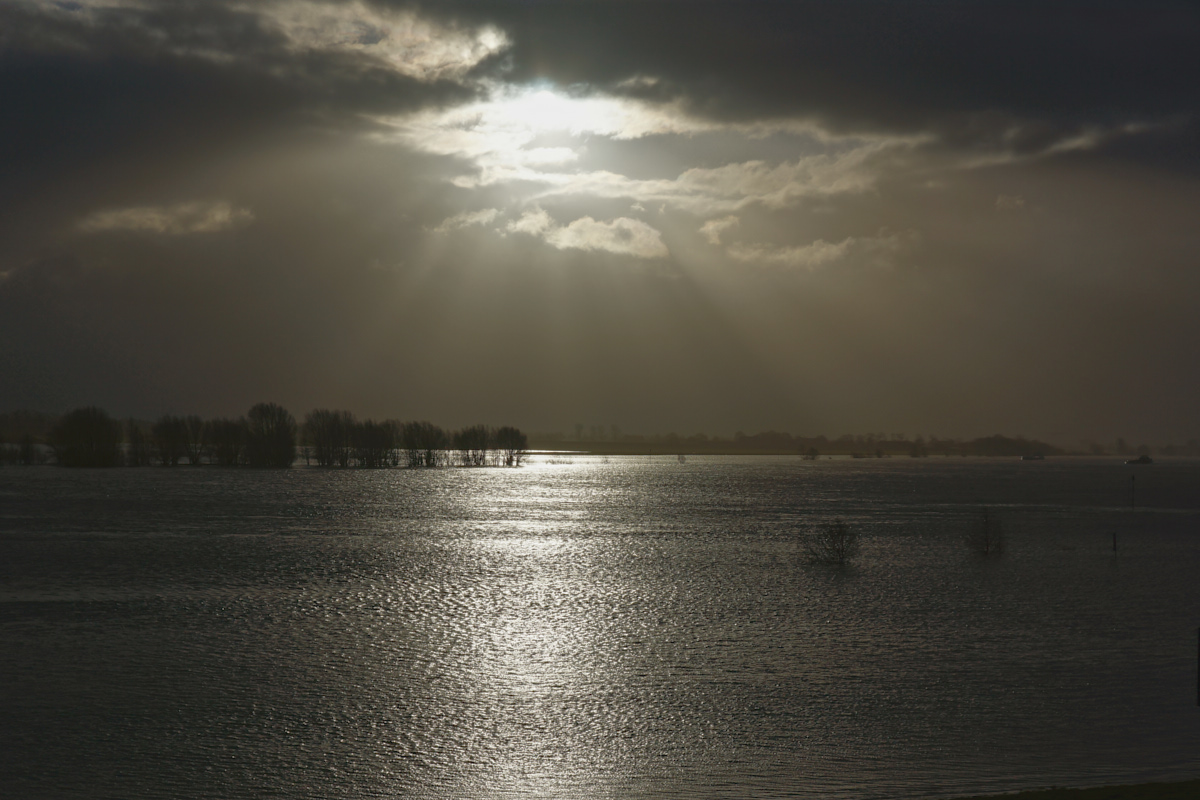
[{"x": 632, "y": 630}]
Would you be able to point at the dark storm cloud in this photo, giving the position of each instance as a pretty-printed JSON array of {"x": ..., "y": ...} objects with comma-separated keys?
[
  {"x": 971, "y": 71},
  {"x": 88, "y": 84},
  {"x": 178, "y": 74},
  {"x": 107, "y": 100}
]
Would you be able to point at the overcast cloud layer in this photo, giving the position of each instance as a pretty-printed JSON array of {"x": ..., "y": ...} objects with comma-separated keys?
[{"x": 957, "y": 218}]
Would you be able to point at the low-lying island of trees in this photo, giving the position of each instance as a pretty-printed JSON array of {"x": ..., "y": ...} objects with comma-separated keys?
[{"x": 269, "y": 436}]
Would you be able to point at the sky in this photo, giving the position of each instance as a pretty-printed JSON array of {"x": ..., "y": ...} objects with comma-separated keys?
[{"x": 953, "y": 218}]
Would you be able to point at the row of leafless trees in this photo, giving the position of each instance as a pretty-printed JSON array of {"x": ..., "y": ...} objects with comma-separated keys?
[
  {"x": 89, "y": 437},
  {"x": 24, "y": 451},
  {"x": 336, "y": 439},
  {"x": 268, "y": 436}
]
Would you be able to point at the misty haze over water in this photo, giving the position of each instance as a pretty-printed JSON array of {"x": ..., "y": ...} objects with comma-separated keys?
[{"x": 610, "y": 627}]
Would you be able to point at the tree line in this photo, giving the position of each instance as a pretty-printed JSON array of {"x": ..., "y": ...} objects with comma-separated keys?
[{"x": 269, "y": 436}]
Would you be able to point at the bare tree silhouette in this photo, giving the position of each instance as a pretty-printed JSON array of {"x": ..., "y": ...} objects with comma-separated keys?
[
  {"x": 137, "y": 444},
  {"x": 27, "y": 454},
  {"x": 170, "y": 435},
  {"x": 472, "y": 445},
  {"x": 834, "y": 543},
  {"x": 87, "y": 437},
  {"x": 374, "y": 443},
  {"x": 512, "y": 446},
  {"x": 330, "y": 435},
  {"x": 194, "y": 440},
  {"x": 270, "y": 436},
  {"x": 226, "y": 441},
  {"x": 424, "y": 444},
  {"x": 986, "y": 537}
]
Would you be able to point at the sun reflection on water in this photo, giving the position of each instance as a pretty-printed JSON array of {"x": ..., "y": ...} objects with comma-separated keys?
[{"x": 538, "y": 653}]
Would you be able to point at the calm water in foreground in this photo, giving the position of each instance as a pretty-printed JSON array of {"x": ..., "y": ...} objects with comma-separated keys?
[{"x": 624, "y": 627}]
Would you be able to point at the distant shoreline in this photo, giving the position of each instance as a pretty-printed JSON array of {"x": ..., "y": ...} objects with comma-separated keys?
[
  {"x": 570, "y": 449},
  {"x": 1182, "y": 790},
  {"x": 777, "y": 444}
]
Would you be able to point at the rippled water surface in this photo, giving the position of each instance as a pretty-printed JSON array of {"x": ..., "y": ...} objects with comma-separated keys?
[{"x": 624, "y": 627}]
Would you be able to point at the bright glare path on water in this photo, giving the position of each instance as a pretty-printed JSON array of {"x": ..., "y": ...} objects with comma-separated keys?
[{"x": 624, "y": 628}]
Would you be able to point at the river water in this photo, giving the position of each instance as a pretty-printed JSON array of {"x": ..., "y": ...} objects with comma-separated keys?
[{"x": 626, "y": 627}]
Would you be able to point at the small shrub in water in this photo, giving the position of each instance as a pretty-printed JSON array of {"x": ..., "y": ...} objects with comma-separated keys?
[
  {"x": 986, "y": 538},
  {"x": 835, "y": 543}
]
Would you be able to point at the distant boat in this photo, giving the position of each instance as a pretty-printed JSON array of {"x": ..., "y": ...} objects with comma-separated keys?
[
  {"x": 1033, "y": 457},
  {"x": 1140, "y": 460}
]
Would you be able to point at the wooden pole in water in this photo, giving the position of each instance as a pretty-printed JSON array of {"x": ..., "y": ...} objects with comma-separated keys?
[
  {"x": 1132, "y": 490},
  {"x": 1114, "y": 541}
]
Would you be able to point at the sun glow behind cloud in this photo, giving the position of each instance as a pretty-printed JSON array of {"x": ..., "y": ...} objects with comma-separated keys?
[
  {"x": 500, "y": 135},
  {"x": 538, "y": 145}
]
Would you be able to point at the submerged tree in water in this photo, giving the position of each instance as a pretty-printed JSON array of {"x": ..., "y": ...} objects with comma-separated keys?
[
  {"x": 329, "y": 434},
  {"x": 424, "y": 443},
  {"x": 472, "y": 445},
  {"x": 225, "y": 440},
  {"x": 511, "y": 445},
  {"x": 137, "y": 445},
  {"x": 986, "y": 538},
  {"x": 170, "y": 437},
  {"x": 194, "y": 429},
  {"x": 27, "y": 453},
  {"x": 270, "y": 436},
  {"x": 374, "y": 443},
  {"x": 834, "y": 543},
  {"x": 87, "y": 437}
]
